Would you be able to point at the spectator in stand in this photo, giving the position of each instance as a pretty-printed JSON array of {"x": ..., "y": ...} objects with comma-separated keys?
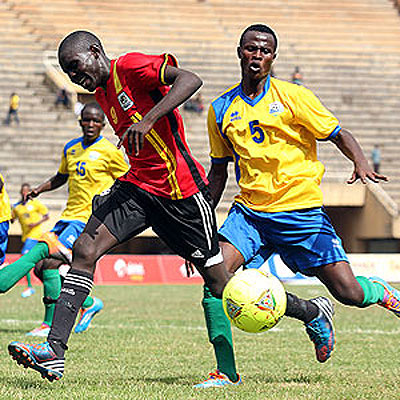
[
  {"x": 13, "y": 109},
  {"x": 297, "y": 77},
  {"x": 376, "y": 158},
  {"x": 62, "y": 98},
  {"x": 195, "y": 104}
]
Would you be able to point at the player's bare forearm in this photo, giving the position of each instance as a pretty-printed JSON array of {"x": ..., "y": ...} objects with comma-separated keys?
[
  {"x": 53, "y": 183},
  {"x": 184, "y": 84},
  {"x": 350, "y": 147},
  {"x": 217, "y": 177}
]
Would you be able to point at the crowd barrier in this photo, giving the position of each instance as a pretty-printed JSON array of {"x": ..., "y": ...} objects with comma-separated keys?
[{"x": 170, "y": 269}]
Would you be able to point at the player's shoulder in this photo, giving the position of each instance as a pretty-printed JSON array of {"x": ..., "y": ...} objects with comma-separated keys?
[
  {"x": 72, "y": 143},
  {"x": 104, "y": 145},
  {"x": 222, "y": 102},
  {"x": 132, "y": 59},
  {"x": 289, "y": 88},
  {"x": 17, "y": 204}
]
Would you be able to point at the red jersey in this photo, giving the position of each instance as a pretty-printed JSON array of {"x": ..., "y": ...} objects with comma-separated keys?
[{"x": 165, "y": 165}]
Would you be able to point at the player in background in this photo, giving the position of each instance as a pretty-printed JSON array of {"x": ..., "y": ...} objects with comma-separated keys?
[
  {"x": 89, "y": 164},
  {"x": 166, "y": 188},
  {"x": 31, "y": 213},
  {"x": 5, "y": 217},
  {"x": 269, "y": 129}
]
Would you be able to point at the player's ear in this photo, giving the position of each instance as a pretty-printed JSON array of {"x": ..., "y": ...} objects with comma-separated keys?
[
  {"x": 239, "y": 52},
  {"x": 80, "y": 122},
  {"x": 95, "y": 50}
]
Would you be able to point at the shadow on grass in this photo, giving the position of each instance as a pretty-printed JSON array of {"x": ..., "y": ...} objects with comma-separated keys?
[
  {"x": 25, "y": 382},
  {"x": 298, "y": 378}
]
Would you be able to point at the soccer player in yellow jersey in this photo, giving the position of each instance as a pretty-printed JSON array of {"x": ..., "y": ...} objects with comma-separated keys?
[
  {"x": 30, "y": 214},
  {"x": 89, "y": 164},
  {"x": 269, "y": 129},
  {"x": 5, "y": 217}
]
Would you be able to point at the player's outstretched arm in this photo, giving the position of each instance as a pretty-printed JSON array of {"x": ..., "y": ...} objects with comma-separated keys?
[
  {"x": 53, "y": 183},
  {"x": 184, "y": 84},
  {"x": 349, "y": 146}
]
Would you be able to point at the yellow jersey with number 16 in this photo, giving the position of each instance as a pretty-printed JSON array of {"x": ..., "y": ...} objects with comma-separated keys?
[
  {"x": 90, "y": 169},
  {"x": 272, "y": 140}
]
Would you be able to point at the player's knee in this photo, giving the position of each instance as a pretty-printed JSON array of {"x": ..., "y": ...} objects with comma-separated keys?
[
  {"x": 38, "y": 270},
  {"x": 216, "y": 289},
  {"x": 84, "y": 253}
]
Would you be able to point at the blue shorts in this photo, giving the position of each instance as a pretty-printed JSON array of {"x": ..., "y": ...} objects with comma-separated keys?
[
  {"x": 28, "y": 245},
  {"x": 305, "y": 239},
  {"x": 3, "y": 239},
  {"x": 68, "y": 231}
]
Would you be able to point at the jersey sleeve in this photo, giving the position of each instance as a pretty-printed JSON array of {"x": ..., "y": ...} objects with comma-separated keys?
[
  {"x": 117, "y": 165},
  {"x": 311, "y": 114},
  {"x": 220, "y": 151},
  {"x": 63, "y": 168},
  {"x": 146, "y": 71}
]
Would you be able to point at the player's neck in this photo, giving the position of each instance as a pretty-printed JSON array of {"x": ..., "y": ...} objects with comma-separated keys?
[{"x": 252, "y": 88}]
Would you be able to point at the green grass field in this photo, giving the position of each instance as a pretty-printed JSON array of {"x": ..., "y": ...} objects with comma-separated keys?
[{"x": 150, "y": 343}]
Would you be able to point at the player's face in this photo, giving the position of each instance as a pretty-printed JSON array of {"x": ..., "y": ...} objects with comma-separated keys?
[
  {"x": 92, "y": 122},
  {"x": 25, "y": 189},
  {"x": 257, "y": 54},
  {"x": 82, "y": 68}
]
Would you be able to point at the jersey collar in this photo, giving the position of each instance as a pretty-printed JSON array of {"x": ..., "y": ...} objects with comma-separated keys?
[
  {"x": 254, "y": 101},
  {"x": 85, "y": 147}
]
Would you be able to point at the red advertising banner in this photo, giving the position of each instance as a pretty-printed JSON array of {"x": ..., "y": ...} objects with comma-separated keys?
[{"x": 135, "y": 270}]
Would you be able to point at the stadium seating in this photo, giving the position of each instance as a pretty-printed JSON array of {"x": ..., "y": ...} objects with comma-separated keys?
[{"x": 348, "y": 52}]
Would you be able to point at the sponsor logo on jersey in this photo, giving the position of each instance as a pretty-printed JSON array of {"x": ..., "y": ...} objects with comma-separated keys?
[
  {"x": 276, "y": 108},
  {"x": 125, "y": 101}
]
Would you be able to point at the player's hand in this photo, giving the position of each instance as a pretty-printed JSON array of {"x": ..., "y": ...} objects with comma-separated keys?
[
  {"x": 364, "y": 172},
  {"x": 135, "y": 135},
  {"x": 30, "y": 195},
  {"x": 189, "y": 268}
]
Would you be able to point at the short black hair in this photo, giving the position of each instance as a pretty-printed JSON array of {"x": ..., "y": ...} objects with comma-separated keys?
[
  {"x": 94, "y": 106},
  {"x": 259, "y": 28},
  {"x": 80, "y": 41}
]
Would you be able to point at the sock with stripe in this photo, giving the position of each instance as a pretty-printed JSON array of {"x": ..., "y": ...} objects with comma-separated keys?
[
  {"x": 220, "y": 334},
  {"x": 88, "y": 301},
  {"x": 51, "y": 289},
  {"x": 301, "y": 309},
  {"x": 12, "y": 273},
  {"x": 77, "y": 286}
]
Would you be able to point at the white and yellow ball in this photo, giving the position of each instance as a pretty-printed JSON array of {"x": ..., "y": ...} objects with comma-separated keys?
[{"x": 254, "y": 300}]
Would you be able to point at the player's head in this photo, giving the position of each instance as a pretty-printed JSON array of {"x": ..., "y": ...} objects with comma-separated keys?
[
  {"x": 258, "y": 48},
  {"x": 92, "y": 122},
  {"x": 25, "y": 189},
  {"x": 81, "y": 55}
]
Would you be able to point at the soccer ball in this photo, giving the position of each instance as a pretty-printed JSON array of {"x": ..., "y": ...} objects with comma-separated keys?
[{"x": 254, "y": 300}]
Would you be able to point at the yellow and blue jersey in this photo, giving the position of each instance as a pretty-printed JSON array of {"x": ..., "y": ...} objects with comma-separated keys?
[
  {"x": 272, "y": 140},
  {"x": 90, "y": 169},
  {"x": 5, "y": 207},
  {"x": 28, "y": 213}
]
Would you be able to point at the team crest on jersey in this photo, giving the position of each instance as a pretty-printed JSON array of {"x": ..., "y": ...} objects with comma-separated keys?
[
  {"x": 276, "y": 108},
  {"x": 94, "y": 155},
  {"x": 124, "y": 100}
]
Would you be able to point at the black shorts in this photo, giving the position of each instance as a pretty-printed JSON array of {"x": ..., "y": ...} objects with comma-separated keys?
[{"x": 187, "y": 226}]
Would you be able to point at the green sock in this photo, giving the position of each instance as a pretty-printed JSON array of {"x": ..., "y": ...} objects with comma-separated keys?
[
  {"x": 88, "y": 302},
  {"x": 52, "y": 289},
  {"x": 219, "y": 334},
  {"x": 12, "y": 273},
  {"x": 373, "y": 292},
  {"x": 28, "y": 279}
]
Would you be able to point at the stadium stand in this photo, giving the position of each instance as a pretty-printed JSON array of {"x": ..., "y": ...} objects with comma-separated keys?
[{"x": 348, "y": 51}]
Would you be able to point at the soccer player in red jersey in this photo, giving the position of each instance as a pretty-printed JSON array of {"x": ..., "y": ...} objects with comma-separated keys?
[{"x": 165, "y": 188}]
